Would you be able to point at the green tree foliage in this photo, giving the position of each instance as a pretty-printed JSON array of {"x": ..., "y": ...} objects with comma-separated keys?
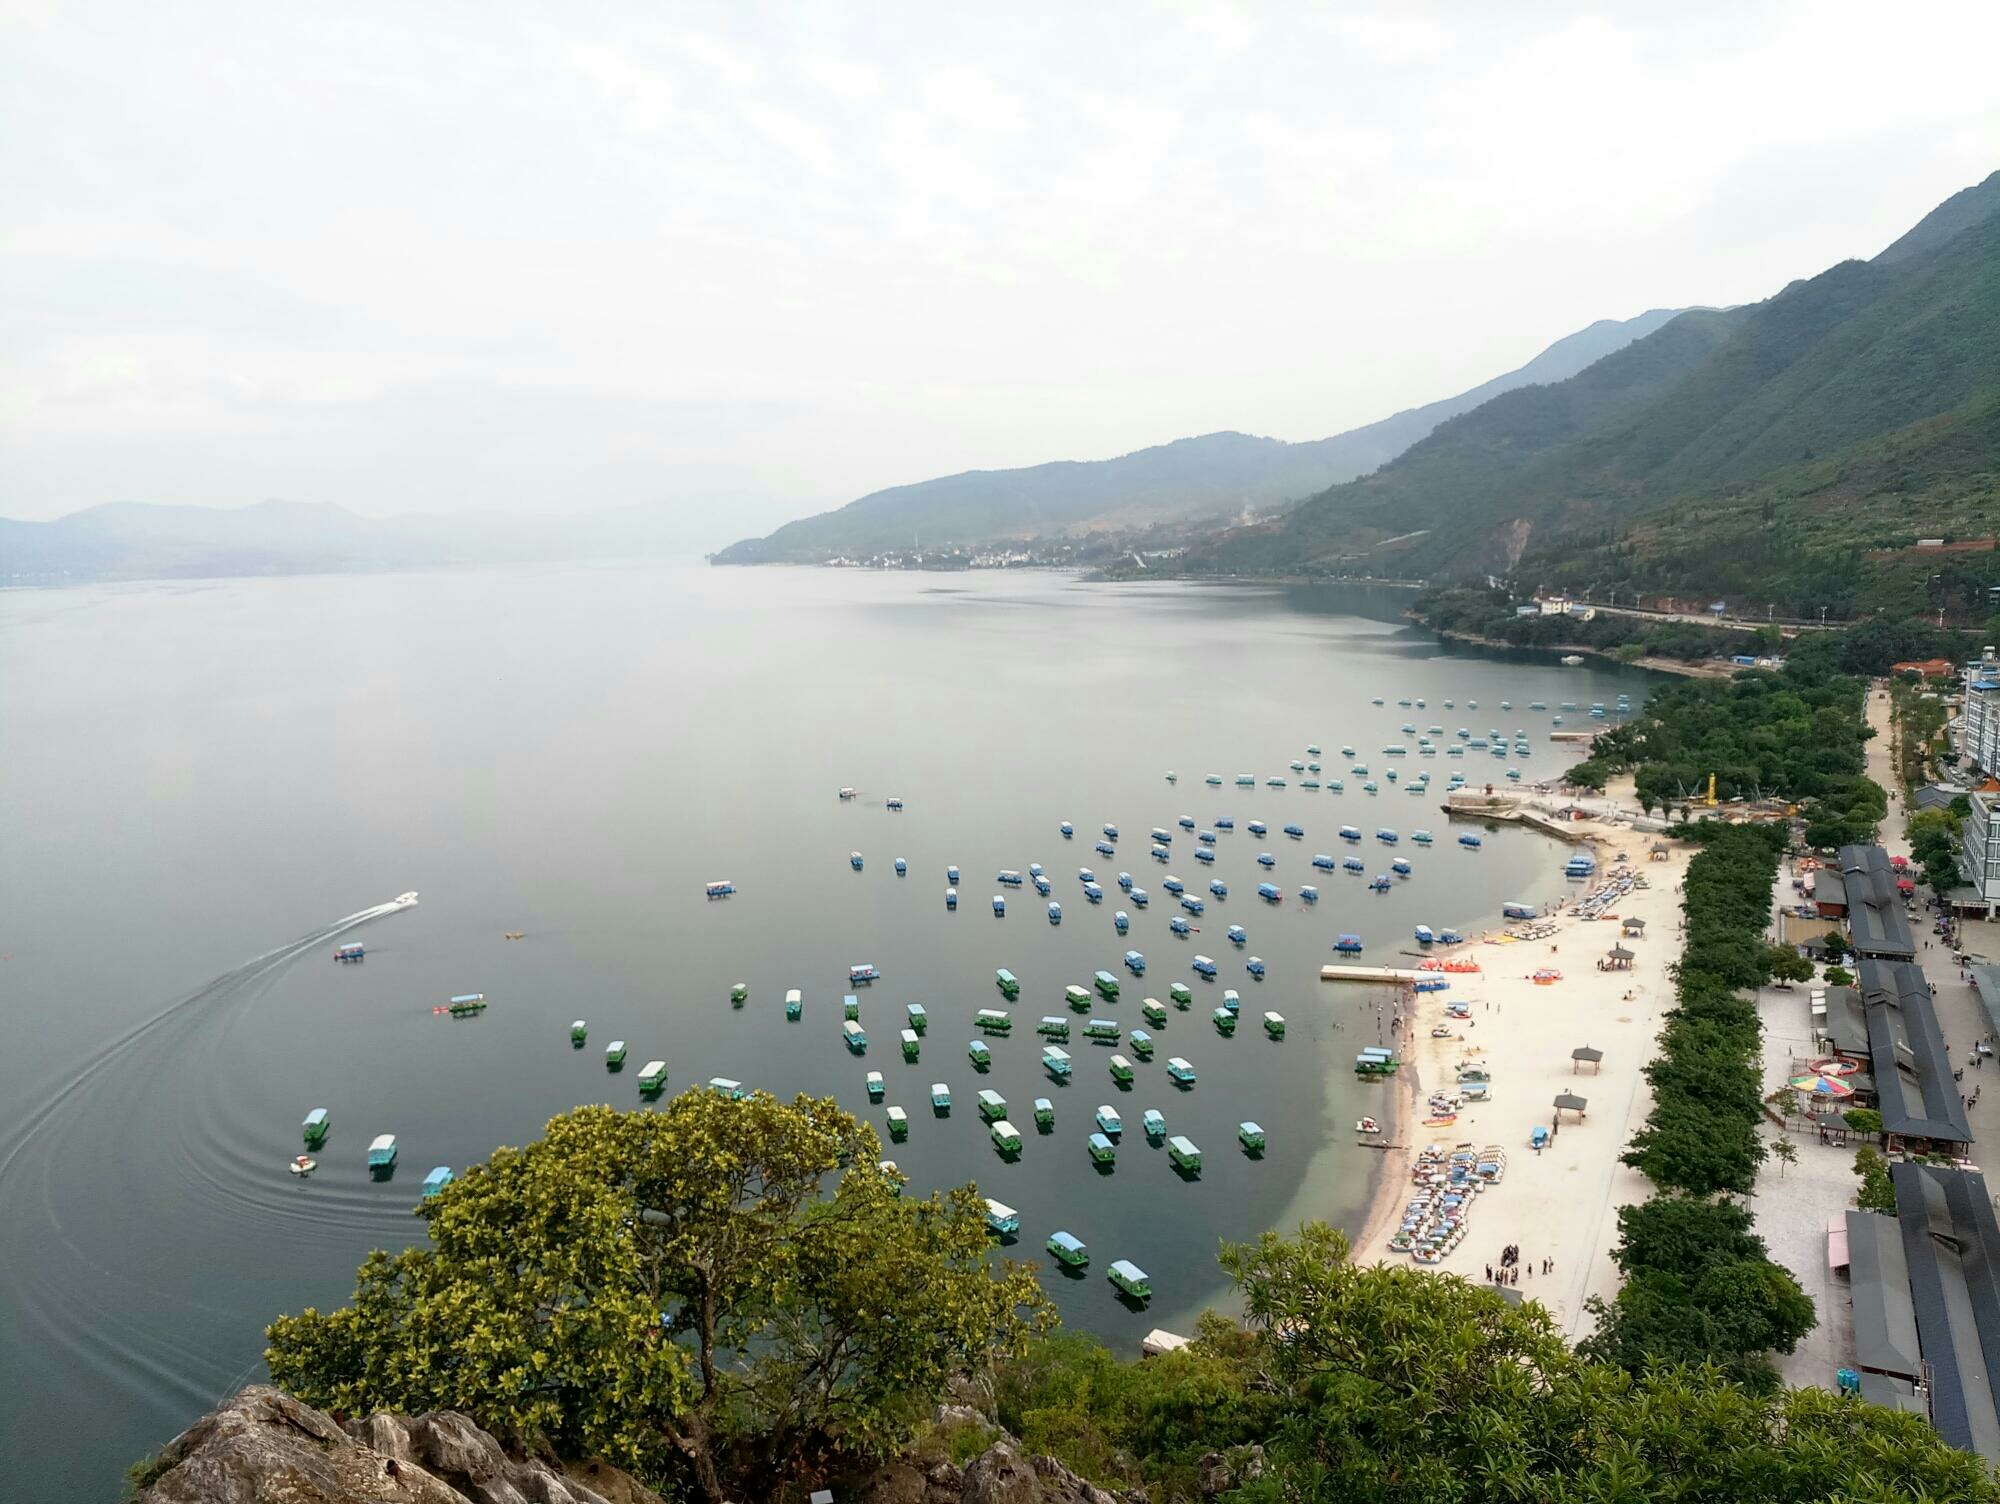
[
  {"x": 1878, "y": 1191},
  {"x": 1863, "y": 1120},
  {"x": 698, "y": 1293},
  {"x": 1784, "y": 964},
  {"x": 1839, "y": 976}
]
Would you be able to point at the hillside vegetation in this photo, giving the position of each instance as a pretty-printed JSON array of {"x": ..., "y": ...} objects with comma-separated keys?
[{"x": 1789, "y": 447}]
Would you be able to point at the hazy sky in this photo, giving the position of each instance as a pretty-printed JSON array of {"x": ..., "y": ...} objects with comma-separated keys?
[{"x": 754, "y": 260}]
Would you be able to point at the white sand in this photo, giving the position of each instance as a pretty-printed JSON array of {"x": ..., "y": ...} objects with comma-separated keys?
[{"x": 1561, "y": 1203}]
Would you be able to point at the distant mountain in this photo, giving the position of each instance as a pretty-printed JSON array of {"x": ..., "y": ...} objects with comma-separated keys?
[
  {"x": 1840, "y": 416},
  {"x": 1214, "y": 475}
]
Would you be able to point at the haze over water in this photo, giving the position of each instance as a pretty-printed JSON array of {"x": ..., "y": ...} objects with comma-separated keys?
[{"x": 201, "y": 779}]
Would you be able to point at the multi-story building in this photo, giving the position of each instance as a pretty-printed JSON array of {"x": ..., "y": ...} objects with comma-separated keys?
[
  {"x": 1979, "y": 720},
  {"x": 1979, "y": 846}
]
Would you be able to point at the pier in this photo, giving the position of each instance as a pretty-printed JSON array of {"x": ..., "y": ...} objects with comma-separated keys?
[{"x": 1371, "y": 974}]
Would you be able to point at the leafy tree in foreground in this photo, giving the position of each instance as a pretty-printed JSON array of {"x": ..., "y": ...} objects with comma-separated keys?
[{"x": 686, "y": 1292}]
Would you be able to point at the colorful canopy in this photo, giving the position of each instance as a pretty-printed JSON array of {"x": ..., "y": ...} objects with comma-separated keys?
[{"x": 1821, "y": 1086}]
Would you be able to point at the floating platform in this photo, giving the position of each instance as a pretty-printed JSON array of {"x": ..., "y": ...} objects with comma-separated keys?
[{"x": 1368, "y": 974}]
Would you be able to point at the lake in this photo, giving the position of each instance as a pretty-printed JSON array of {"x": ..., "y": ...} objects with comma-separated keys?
[{"x": 201, "y": 779}]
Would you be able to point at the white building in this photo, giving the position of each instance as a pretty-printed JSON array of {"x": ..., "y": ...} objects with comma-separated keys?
[{"x": 1980, "y": 718}]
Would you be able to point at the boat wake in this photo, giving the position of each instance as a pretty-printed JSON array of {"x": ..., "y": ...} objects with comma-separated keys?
[{"x": 89, "y": 1302}]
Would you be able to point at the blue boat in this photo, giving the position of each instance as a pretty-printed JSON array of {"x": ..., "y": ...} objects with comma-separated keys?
[
  {"x": 1296, "y": 832},
  {"x": 1055, "y": 913},
  {"x": 1204, "y": 966},
  {"x": 1067, "y": 830},
  {"x": 1469, "y": 840},
  {"x": 999, "y": 903},
  {"x": 1192, "y": 904},
  {"x": 1186, "y": 822},
  {"x": 1009, "y": 878},
  {"x": 1225, "y": 822},
  {"x": 436, "y": 1181},
  {"x": 1035, "y": 869},
  {"x": 721, "y": 889},
  {"x": 1173, "y": 884},
  {"x": 1257, "y": 827},
  {"x": 1309, "y": 893},
  {"x": 1350, "y": 833},
  {"x": 1218, "y": 887},
  {"x": 1094, "y": 893},
  {"x": 1111, "y": 832},
  {"x": 1041, "y": 884},
  {"x": 1322, "y": 861},
  {"x": 1105, "y": 848},
  {"x": 1255, "y": 966},
  {"x": 1178, "y": 925},
  {"x": 1125, "y": 881},
  {"x": 1204, "y": 853},
  {"x": 902, "y": 868},
  {"x": 1421, "y": 837},
  {"x": 1425, "y": 936},
  {"x": 1121, "y": 921},
  {"x": 1348, "y": 945},
  {"x": 1401, "y": 867},
  {"x": 1181, "y": 1071},
  {"x": 1139, "y": 899},
  {"x": 1159, "y": 853},
  {"x": 1108, "y": 1120},
  {"x": 1135, "y": 963},
  {"x": 382, "y": 1152},
  {"x": 1235, "y": 934},
  {"x": 1155, "y": 1122},
  {"x": 1386, "y": 836},
  {"x": 1354, "y": 864},
  {"x": 951, "y": 874},
  {"x": 1206, "y": 837},
  {"x": 1162, "y": 836},
  {"x": 1450, "y": 936},
  {"x": 951, "y": 898},
  {"x": 1270, "y": 892},
  {"x": 1265, "y": 859},
  {"x": 1380, "y": 883},
  {"x": 854, "y": 860},
  {"x": 863, "y": 971},
  {"x": 1519, "y": 910},
  {"x": 1085, "y": 875}
]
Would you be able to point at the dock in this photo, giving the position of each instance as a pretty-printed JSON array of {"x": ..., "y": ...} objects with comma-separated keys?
[
  {"x": 1514, "y": 810},
  {"x": 1385, "y": 974}
]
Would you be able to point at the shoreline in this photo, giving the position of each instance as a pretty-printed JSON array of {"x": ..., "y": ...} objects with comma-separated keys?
[
  {"x": 1549, "y": 1204},
  {"x": 1657, "y": 665}
]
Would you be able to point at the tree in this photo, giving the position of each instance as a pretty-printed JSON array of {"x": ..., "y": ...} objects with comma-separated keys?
[
  {"x": 1839, "y": 976},
  {"x": 1785, "y": 964},
  {"x": 681, "y": 1292},
  {"x": 1878, "y": 1191},
  {"x": 1863, "y": 1120},
  {"x": 1835, "y": 945},
  {"x": 1786, "y": 1153}
]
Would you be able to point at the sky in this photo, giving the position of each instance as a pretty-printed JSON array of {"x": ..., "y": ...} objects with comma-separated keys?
[{"x": 746, "y": 261}]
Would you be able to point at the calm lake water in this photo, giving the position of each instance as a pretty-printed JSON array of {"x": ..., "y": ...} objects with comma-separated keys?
[{"x": 201, "y": 780}]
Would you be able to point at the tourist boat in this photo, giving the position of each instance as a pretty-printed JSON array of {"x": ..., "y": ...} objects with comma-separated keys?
[
  {"x": 1519, "y": 910},
  {"x": 1225, "y": 822},
  {"x": 1173, "y": 884},
  {"x": 1001, "y": 1218},
  {"x": 1470, "y": 841},
  {"x": 1102, "y": 1029},
  {"x": 1045, "y": 1113},
  {"x": 1218, "y": 888},
  {"x": 354, "y": 950},
  {"x": 1094, "y": 893},
  {"x": 1204, "y": 966},
  {"x": 1053, "y": 1026},
  {"x": 1265, "y": 859},
  {"x": 994, "y": 1021},
  {"x": 1067, "y": 830},
  {"x": 302, "y": 1164},
  {"x": 1161, "y": 835},
  {"x": 1068, "y": 1250},
  {"x": 739, "y": 992},
  {"x": 992, "y": 1105},
  {"x": 911, "y": 1043},
  {"x": 1255, "y": 966},
  {"x": 1350, "y": 833},
  {"x": 951, "y": 898},
  {"x": 1184, "y": 1154},
  {"x": 1056, "y": 1061},
  {"x": 1121, "y": 921},
  {"x": 1035, "y": 869},
  {"x": 1077, "y": 997},
  {"x": 1000, "y": 905},
  {"x": 1367, "y": 1125},
  {"x": 1380, "y": 883},
  {"x": 1375, "y": 1061},
  {"x": 1309, "y": 893},
  {"x": 614, "y": 1054},
  {"x": 1236, "y": 935},
  {"x": 1257, "y": 828},
  {"x": 1348, "y": 945},
  {"x": 1102, "y": 1150},
  {"x": 1008, "y": 983},
  {"x": 1270, "y": 892},
  {"x": 862, "y": 972},
  {"x": 579, "y": 1031},
  {"x": 1296, "y": 832},
  {"x": 1055, "y": 912},
  {"x": 1421, "y": 837},
  {"x": 951, "y": 874},
  {"x": 1297, "y": 766},
  {"x": 1108, "y": 1120},
  {"x": 1322, "y": 861},
  {"x": 382, "y": 1151},
  {"x": 893, "y": 802},
  {"x": 1231, "y": 999},
  {"x": 1514, "y": 774},
  {"x": 436, "y": 1181},
  {"x": 874, "y": 1083},
  {"x": 1310, "y": 783},
  {"x": 315, "y": 1127},
  {"x": 1159, "y": 853},
  {"x": 851, "y": 1033},
  {"x": 1450, "y": 936},
  {"x": 847, "y": 793},
  {"x": 979, "y": 1055},
  {"x": 1386, "y": 836},
  {"x": 1311, "y": 750},
  {"x": 795, "y": 1003},
  {"x": 1246, "y": 780},
  {"x": 1139, "y": 899},
  {"x": 466, "y": 1004},
  {"x": 1134, "y": 963},
  {"x": 1214, "y": 780},
  {"x": 854, "y": 860},
  {"x": 1192, "y": 904},
  {"x": 1142, "y": 1044},
  {"x": 1121, "y": 1070},
  {"x": 918, "y": 1018},
  {"x": 1125, "y": 882},
  {"x": 1180, "y": 1071},
  {"x": 1181, "y": 994},
  {"x": 1204, "y": 853},
  {"x": 1156, "y": 1123},
  {"x": 1131, "y": 1280},
  {"x": 1224, "y": 1020},
  {"x": 1178, "y": 925},
  {"x": 1571, "y": 660},
  {"x": 940, "y": 1096},
  {"x": 1401, "y": 867},
  {"x": 1537, "y": 705},
  {"x": 1105, "y": 848},
  {"x": 1369, "y": 787},
  {"x": 1425, "y": 935},
  {"x": 902, "y": 867},
  {"x": 653, "y": 1077},
  {"x": 1155, "y": 1012},
  {"x": 1009, "y": 878},
  {"x": 1251, "y": 1136},
  {"x": 1110, "y": 832}
]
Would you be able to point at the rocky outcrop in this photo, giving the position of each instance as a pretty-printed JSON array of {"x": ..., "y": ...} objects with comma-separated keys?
[{"x": 263, "y": 1447}]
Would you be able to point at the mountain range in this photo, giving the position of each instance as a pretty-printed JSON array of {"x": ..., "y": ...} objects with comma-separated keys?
[
  {"x": 1216, "y": 475},
  {"x": 1794, "y": 450}
]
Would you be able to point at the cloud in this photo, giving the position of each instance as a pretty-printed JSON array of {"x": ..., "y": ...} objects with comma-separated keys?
[
  {"x": 850, "y": 80},
  {"x": 720, "y": 59},
  {"x": 969, "y": 98},
  {"x": 1398, "y": 37},
  {"x": 642, "y": 96},
  {"x": 800, "y": 137}
]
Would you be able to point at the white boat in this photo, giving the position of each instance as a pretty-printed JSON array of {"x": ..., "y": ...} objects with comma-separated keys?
[
  {"x": 406, "y": 900},
  {"x": 1367, "y": 1125},
  {"x": 1571, "y": 660}
]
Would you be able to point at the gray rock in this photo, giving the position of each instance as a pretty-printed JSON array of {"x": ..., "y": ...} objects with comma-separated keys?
[
  {"x": 263, "y": 1447},
  {"x": 1002, "y": 1475},
  {"x": 1219, "y": 1472}
]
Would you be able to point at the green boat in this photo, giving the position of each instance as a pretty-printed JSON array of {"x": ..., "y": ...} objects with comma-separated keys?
[
  {"x": 876, "y": 1086},
  {"x": 1065, "y": 1249},
  {"x": 919, "y": 1020},
  {"x": 614, "y": 1054},
  {"x": 1006, "y": 1138},
  {"x": 1106, "y": 984},
  {"x": 994, "y": 1021},
  {"x": 1103, "y": 1029},
  {"x": 1121, "y": 1070},
  {"x": 1009, "y": 984},
  {"x": 578, "y": 1032},
  {"x": 1274, "y": 1025},
  {"x": 1182, "y": 994},
  {"x": 1131, "y": 1280},
  {"x": 467, "y": 1004},
  {"x": 1053, "y": 1026},
  {"x": 1142, "y": 1044},
  {"x": 1045, "y": 1113},
  {"x": 1155, "y": 1011},
  {"x": 1077, "y": 998},
  {"x": 1102, "y": 1150},
  {"x": 795, "y": 1004},
  {"x": 1251, "y": 1137},
  {"x": 992, "y": 1106},
  {"x": 316, "y": 1125},
  {"x": 899, "y": 1124},
  {"x": 738, "y": 992},
  {"x": 1225, "y": 1021},
  {"x": 979, "y": 1055},
  {"x": 911, "y": 1044},
  {"x": 1183, "y": 1153},
  {"x": 850, "y": 1007},
  {"x": 654, "y": 1077}
]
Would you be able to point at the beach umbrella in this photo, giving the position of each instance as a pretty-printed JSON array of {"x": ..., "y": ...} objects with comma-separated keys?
[{"x": 1821, "y": 1086}]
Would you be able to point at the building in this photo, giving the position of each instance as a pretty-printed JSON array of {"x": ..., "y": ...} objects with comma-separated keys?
[
  {"x": 1979, "y": 854},
  {"x": 1876, "y": 923},
  {"x": 1936, "y": 796},
  {"x": 1922, "y": 1111},
  {"x": 1926, "y": 1291},
  {"x": 1979, "y": 718},
  {"x": 1928, "y": 668},
  {"x": 1829, "y": 893}
]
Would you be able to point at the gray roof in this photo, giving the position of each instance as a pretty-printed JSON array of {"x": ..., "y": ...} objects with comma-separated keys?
[
  {"x": 1951, "y": 1243},
  {"x": 1885, "y": 1321},
  {"x": 1934, "y": 796},
  {"x": 1913, "y": 1086},
  {"x": 1875, "y": 919},
  {"x": 1987, "y": 980},
  {"x": 1847, "y": 1022},
  {"x": 1828, "y": 887}
]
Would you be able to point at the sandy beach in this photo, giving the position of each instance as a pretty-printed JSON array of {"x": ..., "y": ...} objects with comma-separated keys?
[{"x": 1560, "y": 1203}]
